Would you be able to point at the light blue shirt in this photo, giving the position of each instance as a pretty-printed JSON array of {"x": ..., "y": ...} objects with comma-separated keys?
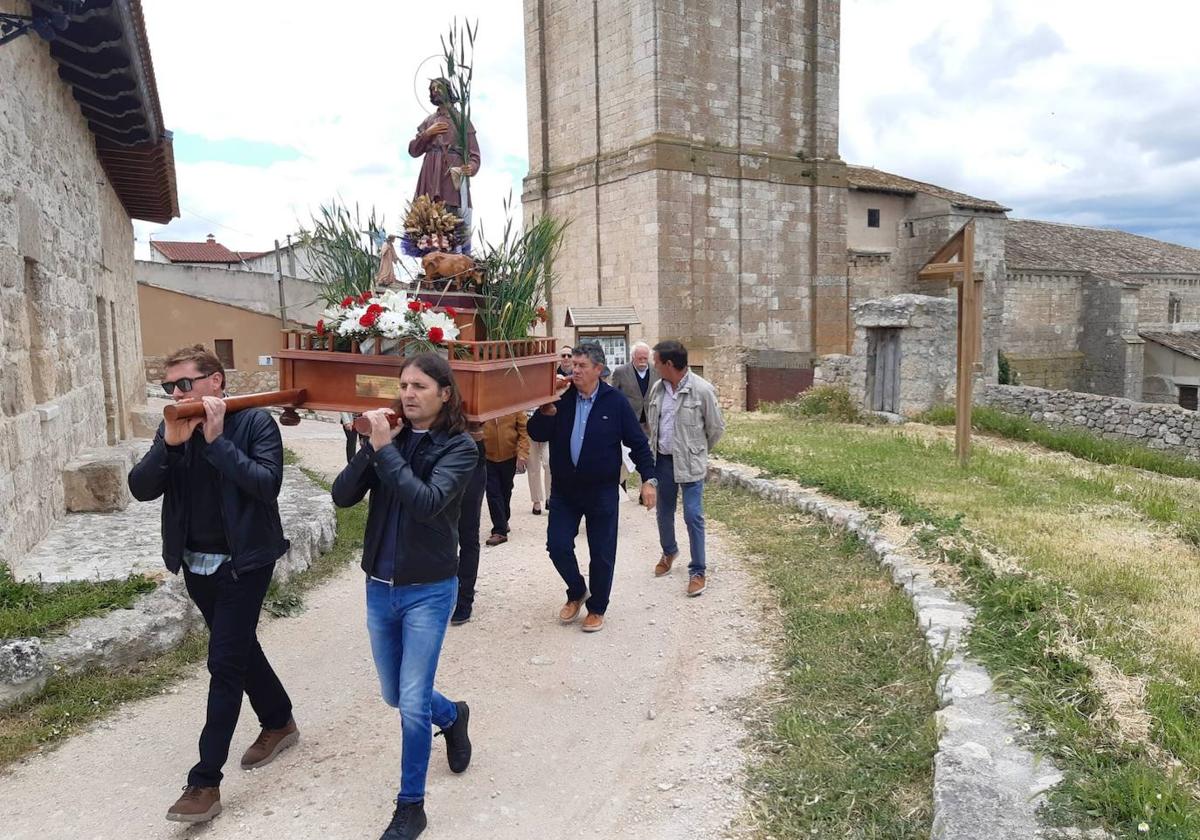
[
  {"x": 583, "y": 407},
  {"x": 203, "y": 563}
]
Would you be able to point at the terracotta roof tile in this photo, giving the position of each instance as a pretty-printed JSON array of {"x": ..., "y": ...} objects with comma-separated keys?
[
  {"x": 195, "y": 252},
  {"x": 868, "y": 178},
  {"x": 1034, "y": 244}
]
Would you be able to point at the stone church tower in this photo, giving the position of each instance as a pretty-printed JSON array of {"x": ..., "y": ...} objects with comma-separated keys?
[{"x": 693, "y": 144}]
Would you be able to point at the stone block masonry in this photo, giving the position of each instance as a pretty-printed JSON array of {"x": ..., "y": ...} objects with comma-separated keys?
[
  {"x": 1169, "y": 428},
  {"x": 70, "y": 345}
]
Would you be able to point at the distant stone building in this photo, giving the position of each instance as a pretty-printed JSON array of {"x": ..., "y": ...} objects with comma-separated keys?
[
  {"x": 695, "y": 151},
  {"x": 83, "y": 150},
  {"x": 293, "y": 258}
]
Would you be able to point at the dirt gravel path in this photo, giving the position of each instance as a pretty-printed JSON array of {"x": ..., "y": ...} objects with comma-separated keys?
[{"x": 633, "y": 732}]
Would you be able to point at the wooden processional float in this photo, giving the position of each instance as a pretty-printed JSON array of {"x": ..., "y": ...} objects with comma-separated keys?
[{"x": 495, "y": 378}]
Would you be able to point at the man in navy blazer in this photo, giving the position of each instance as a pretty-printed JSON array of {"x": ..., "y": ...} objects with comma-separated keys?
[{"x": 585, "y": 430}]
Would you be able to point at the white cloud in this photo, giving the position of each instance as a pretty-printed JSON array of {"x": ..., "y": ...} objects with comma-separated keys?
[{"x": 335, "y": 82}]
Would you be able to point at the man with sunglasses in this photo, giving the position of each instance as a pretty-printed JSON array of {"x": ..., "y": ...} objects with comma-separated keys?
[{"x": 219, "y": 477}]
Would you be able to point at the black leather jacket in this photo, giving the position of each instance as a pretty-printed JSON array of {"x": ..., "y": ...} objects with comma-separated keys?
[
  {"x": 248, "y": 457},
  {"x": 426, "y": 493}
]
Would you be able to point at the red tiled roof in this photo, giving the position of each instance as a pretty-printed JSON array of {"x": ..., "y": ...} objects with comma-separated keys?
[
  {"x": 195, "y": 252},
  {"x": 876, "y": 180}
]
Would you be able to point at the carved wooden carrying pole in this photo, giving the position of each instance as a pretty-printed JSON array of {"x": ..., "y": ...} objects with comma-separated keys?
[
  {"x": 183, "y": 410},
  {"x": 955, "y": 263}
]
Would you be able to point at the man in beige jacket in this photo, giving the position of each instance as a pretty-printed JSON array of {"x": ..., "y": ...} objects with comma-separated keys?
[
  {"x": 506, "y": 443},
  {"x": 685, "y": 424}
]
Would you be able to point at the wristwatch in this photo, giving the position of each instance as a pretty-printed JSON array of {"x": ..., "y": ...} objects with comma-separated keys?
[{"x": 653, "y": 482}]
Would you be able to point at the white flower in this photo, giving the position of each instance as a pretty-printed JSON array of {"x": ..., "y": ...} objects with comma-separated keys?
[
  {"x": 350, "y": 325},
  {"x": 395, "y": 300},
  {"x": 392, "y": 324},
  {"x": 440, "y": 319},
  {"x": 1143, "y": 828},
  {"x": 333, "y": 313}
]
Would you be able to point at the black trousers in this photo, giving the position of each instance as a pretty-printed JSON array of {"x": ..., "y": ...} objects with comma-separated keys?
[
  {"x": 499, "y": 493},
  {"x": 236, "y": 663},
  {"x": 468, "y": 532}
]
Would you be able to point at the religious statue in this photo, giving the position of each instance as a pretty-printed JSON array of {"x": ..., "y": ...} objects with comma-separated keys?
[
  {"x": 386, "y": 275},
  {"x": 443, "y": 168}
]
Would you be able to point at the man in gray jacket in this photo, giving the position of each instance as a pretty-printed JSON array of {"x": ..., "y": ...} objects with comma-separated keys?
[
  {"x": 685, "y": 424},
  {"x": 635, "y": 380}
]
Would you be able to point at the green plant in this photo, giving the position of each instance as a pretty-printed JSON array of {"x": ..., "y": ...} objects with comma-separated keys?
[
  {"x": 829, "y": 401},
  {"x": 341, "y": 258},
  {"x": 458, "y": 48},
  {"x": 1005, "y": 376},
  {"x": 518, "y": 276}
]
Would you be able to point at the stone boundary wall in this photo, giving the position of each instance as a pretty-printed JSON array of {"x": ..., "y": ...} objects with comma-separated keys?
[
  {"x": 1154, "y": 425},
  {"x": 987, "y": 775}
]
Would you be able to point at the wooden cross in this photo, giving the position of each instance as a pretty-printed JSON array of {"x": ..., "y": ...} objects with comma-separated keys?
[{"x": 954, "y": 263}]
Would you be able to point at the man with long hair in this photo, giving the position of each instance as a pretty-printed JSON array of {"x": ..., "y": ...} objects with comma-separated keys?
[
  {"x": 416, "y": 473},
  {"x": 219, "y": 477}
]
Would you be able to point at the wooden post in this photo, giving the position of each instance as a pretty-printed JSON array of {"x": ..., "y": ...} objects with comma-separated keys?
[{"x": 955, "y": 262}]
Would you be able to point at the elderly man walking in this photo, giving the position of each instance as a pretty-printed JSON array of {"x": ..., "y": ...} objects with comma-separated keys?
[
  {"x": 685, "y": 424},
  {"x": 635, "y": 380},
  {"x": 585, "y": 429}
]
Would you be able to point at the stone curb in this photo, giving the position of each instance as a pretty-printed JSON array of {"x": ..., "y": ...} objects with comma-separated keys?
[
  {"x": 985, "y": 779},
  {"x": 159, "y": 620}
]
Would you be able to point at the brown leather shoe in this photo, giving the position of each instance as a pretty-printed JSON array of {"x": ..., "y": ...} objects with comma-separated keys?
[
  {"x": 664, "y": 564},
  {"x": 593, "y": 622},
  {"x": 270, "y": 743},
  {"x": 496, "y": 539},
  {"x": 196, "y": 805},
  {"x": 695, "y": 585},
  {"x": 571, "y": 610}
]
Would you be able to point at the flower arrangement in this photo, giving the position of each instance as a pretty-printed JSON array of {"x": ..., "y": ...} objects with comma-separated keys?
[
  {"x": 389, "y": 317},
  {"x": 429, "y": 227}
]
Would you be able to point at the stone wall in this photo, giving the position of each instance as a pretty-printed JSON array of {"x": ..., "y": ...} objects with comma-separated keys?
[
  {"x": 927, "y": 367},
  {"x": 70, "y": 349},
  {"x": 1154, "y": 425}
]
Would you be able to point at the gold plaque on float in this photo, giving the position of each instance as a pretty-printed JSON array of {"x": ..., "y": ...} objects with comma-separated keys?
[{"x": 379, "y": 387}]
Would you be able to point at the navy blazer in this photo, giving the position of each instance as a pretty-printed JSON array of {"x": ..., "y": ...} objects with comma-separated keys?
[{"x": 610, "y": 424}]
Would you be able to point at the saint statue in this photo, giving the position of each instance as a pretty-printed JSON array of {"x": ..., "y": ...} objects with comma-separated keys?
[
  {"x": 443, "y": 168},
  {"x": 386, "y": 275}
]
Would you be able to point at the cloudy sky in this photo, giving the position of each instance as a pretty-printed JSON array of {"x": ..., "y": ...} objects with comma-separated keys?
[{"x": 1061, "y": 109}]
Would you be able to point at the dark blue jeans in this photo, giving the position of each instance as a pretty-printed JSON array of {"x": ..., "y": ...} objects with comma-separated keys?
[
  {"x": 597, "y": 504},
  {"x": 236, "y": 663},
  {"x": 693, "y": 512},
  {"x": 407, "y": 625}
]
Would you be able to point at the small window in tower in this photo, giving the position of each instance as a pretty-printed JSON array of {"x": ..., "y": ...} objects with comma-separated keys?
[
  {"x": 1187, "y": 397},
  {"x": 873, "y": 217},
  {"x": 1174, "y": 309},
  {"x": 223, "y": 347}
]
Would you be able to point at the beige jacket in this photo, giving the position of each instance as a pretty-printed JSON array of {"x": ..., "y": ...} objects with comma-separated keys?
[
  {"x": 506, "y": 437},
  {"x": 698, "y": 425}
]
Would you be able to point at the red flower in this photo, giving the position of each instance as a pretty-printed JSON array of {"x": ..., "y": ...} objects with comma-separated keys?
[
  {"x": 364, "y": 297},
  {"x": 347, "y": 300},
  {"x": 368, "y": 319},
  {"x": 321, "y": 327},
  {"x": 375, "y": 307},
  {"x": 451, "y": 311},
  {"x": 426, "y": 305},
  {"x": 436, "y": 335},
  {"x": 414, "y": 306}
]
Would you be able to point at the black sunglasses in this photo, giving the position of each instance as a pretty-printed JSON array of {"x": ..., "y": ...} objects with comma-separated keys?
[{"x": 184, "y": 383}]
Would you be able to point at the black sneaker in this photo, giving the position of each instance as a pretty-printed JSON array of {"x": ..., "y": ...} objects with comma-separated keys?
[
  {"x": 462, "y": 614},
  {"x": 407, "y": 822},
  {"x": 458, "y": 744}
]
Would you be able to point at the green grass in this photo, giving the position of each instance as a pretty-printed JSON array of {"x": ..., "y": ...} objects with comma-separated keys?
[
  {"x": 30, "y": 609},
  {"x": 1079, "y": 443},
  {"x": 69, "y": 703},
  {"x": 847, "y": 744},
  {"x": 1109, "y": 583}
]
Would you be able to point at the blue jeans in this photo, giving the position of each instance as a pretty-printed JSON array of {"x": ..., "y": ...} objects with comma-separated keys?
[
  {"x": 407, "y": 625},
  {"x": 693, "y": 512}
]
